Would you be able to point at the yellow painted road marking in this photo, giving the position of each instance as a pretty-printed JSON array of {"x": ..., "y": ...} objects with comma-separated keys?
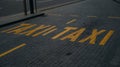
[
  {"x": 49, "y": 32},
  {"x": 71, "y": 21},
  {"x": 11, "y": 50},
  {"x": 75, "y": 35},
  {"x": 114, "y": 17},
  {"x": 107, "y": 36},
  {"x": 30, "y": 32},
  {"x": 93, "y": 36},
  {"x": 41, "y": 32},
  {"x": 67, "y": 29},
  {"x": 92, "y": 16},
  {"x": 19, "y": 30},
  {"x": 21, "y": 25}
]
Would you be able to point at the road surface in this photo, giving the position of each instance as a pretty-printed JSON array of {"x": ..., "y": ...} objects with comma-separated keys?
[{"x": 83, "y": 34}]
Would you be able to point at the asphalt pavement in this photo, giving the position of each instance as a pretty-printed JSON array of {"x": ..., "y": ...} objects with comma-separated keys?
[{"x": 83, "y": 34}]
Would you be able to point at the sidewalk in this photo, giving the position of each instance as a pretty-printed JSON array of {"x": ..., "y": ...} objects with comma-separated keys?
[{"x": 83, "y": 34}]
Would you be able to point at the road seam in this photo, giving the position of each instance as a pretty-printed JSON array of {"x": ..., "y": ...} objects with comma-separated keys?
[
  {"x": 92, "y": 16},
  {"x": 44, "y": 1},
  {"x": 60, "y": 5}
]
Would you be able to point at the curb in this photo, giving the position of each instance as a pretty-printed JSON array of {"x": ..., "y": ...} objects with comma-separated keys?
[{"x": 22, "y": 19}]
